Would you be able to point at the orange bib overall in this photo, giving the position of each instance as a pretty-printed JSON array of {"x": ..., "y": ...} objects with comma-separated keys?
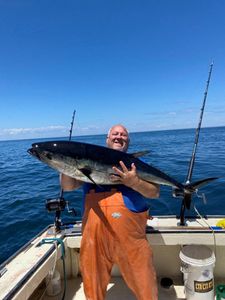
[{"x": 114, "y": 234}]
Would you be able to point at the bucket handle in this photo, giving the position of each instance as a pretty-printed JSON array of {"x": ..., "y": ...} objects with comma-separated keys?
[{"x": 184, "y": 268}]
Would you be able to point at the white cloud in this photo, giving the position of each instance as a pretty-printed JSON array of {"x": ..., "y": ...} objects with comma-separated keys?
[
  {"x": 16, "y": 131},
  {"x": 32, "y": 132}
]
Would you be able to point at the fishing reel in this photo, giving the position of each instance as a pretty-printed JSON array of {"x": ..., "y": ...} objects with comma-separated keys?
[{"x": 58, "y": 205}]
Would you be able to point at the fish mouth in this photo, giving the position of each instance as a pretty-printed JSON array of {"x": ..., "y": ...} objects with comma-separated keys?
[
  {"x": 33, "y": 152},
  {"x": 40, "y": 154}
]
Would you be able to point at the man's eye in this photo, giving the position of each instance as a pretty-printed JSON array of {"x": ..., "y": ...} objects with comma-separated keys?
[{"x": 117, "y": 133}]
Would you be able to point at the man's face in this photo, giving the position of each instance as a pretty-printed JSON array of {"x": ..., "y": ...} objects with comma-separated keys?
[{"x": 118, "y": 138}]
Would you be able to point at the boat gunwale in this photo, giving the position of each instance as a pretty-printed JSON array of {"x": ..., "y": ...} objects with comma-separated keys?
[
  {"x": 24, "y": 247},
  {"x": 149, "y": 229}
]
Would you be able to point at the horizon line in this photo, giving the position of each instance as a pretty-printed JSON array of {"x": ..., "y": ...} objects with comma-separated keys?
[{"x": 85, "y": 135}]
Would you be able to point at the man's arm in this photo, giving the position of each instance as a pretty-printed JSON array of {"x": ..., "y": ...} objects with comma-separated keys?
[
  {"x": 147, "y": 189},
  {"x": 69, "y": 183},
  {"x": 131, "y": 179}
]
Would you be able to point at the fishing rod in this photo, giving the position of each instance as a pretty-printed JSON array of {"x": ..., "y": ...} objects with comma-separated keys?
[
  {"x": 71, "y": 125},
  {"x": 70, "y": 137},
  {"x": 59, "y": 204},
  {"x": 192, "y": 160}
]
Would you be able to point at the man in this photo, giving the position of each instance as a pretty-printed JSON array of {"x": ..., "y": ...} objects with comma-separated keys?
[{"x": 114, "y": 224}]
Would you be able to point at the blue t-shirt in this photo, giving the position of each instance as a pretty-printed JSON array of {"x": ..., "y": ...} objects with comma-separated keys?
[{"x": 133, "y": 200}]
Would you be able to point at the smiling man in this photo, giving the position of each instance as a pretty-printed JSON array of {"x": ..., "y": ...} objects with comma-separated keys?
[
  {"x": 118, "y": 138},
  {"x": 113, "y": 225}
]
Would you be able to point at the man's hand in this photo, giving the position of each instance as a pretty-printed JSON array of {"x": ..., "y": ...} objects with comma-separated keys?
[
  {"x": 69, "y": 183},
  {"x": 131, "y": 179},
  {"x": 126, "y": 177}
]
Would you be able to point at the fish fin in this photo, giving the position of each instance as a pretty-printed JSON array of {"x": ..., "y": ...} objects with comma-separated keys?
[
  {"x": 140, "y": 153},
  {"x": 87, "y": 173}
]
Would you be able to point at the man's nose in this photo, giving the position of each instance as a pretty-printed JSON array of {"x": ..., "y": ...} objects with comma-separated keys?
[{"x": 119, "y": 135}]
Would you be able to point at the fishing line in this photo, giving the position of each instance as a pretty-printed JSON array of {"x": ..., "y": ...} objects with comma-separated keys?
[
  {"x": 55, "y": 241},
  {"x": 52, "y": 271},
  {"x": 208, "y": 225}
]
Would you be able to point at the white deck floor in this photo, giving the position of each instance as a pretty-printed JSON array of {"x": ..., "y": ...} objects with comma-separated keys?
[{"x": 117, "y": 289}]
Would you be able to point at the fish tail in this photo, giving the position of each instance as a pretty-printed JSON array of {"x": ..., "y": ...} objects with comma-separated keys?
[
  {"x": 192, "y": 187},
  {"x": 189, "y": 189}
]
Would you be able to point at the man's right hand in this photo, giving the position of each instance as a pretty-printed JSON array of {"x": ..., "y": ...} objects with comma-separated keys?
[{"x": 69, "y": 183}]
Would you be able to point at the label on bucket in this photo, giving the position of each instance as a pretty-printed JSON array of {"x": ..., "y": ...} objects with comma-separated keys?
[{"x": 203, "y": 286}]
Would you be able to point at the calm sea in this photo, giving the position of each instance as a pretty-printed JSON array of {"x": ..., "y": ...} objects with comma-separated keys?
[{"x": 26, "y": 183}]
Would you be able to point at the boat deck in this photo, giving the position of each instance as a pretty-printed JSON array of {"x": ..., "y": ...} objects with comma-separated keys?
[
  {"x": 117, "y": 289},
  {"x": 23, "y": 276}
]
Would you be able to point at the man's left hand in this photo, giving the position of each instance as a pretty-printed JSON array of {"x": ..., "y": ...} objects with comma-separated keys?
[{"x": 125, "y": 176}]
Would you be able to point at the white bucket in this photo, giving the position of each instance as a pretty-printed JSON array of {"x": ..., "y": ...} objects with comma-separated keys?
[
  {"x": 53, "y": 282},
  {"x": 197, "y": 266}
]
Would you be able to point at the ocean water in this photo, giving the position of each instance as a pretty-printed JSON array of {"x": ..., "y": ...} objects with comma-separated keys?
[{"x": 26, "y": 183}]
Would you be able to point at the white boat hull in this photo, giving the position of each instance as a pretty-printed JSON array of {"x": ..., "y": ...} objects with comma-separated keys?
[{"x": 23, "y": 276}]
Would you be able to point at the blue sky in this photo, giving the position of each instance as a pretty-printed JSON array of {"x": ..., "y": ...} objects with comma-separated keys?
[{"x": 140, "y": 63}]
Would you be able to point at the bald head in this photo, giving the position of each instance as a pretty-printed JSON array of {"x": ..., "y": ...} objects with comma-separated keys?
[{"x": 118, "y": 138}]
